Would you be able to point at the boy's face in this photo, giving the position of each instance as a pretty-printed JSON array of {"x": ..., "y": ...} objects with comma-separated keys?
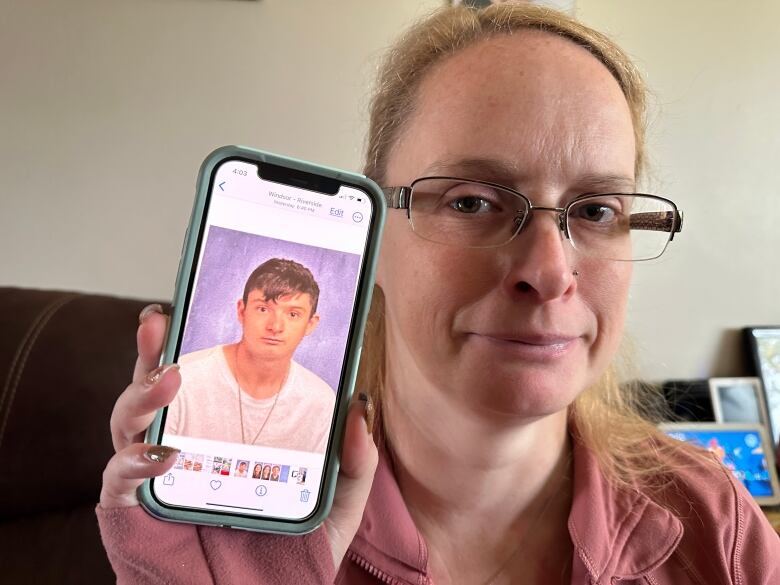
[{"x": 273, "y": 329}]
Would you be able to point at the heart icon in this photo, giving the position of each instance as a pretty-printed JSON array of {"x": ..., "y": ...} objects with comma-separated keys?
[{"x": 215, "y": 484}]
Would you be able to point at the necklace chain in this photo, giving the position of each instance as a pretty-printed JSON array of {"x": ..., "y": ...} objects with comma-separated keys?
[
  {"x": 241, "y": 408},
  {"x": 520, "y": 549}
]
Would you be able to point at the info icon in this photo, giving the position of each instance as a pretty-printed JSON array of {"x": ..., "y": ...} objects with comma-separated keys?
[{"x": 261, "y": 490}]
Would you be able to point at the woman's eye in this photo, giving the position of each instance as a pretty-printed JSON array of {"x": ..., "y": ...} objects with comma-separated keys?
[
  {"x": 596, "y": 212},
  {"x": 471, "y": 204}
]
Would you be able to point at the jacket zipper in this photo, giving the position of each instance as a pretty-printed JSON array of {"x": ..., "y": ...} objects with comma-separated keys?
[{"x": 374, "y": 571}]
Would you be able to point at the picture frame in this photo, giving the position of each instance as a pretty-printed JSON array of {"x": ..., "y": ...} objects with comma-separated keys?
[
  {"x": 763, "y": 344},
  {"x": 738, "y": 400}
]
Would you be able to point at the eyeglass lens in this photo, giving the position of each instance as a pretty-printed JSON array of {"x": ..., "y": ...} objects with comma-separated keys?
[{"x": 614, "y": 227}]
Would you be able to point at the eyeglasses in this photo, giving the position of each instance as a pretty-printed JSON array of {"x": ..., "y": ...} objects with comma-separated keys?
[{"x": 480, "y": 214}]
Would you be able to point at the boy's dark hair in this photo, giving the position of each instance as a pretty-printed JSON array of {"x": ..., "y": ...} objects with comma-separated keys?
[{"x": 278, "y": 277}]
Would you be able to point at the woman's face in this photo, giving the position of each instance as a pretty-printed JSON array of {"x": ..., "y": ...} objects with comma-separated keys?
[{"x": 511, "y": 329}]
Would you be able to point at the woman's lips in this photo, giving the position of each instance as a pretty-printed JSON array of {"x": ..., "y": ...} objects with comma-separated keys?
[{"x": 532, "y": 347}]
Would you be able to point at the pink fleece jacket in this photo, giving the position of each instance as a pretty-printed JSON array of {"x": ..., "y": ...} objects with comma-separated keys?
[{"x": 716, "y": 536}]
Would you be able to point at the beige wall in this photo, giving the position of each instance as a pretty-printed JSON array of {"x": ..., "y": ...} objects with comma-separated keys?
[
  {"x": 714, "y": 67},
  {"x": 108, "y": 107}
]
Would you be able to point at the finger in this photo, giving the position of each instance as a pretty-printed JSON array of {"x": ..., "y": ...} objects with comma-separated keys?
[
  {"x": 150, "y": 338},
  {"x": 129, "y": 468},
  {"x": 135, "y": 408},
  {"x": 358, "y": 463}
]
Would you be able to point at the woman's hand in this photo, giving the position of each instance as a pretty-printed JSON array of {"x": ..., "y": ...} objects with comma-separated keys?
[{"x": 154, "y": 387}]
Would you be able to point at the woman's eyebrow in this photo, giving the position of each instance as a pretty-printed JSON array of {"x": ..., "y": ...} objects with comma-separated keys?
[
  {"x": 491, "y": 169},
  {"x": 605, "y": 183},
  {"x": 509, "y": 174}
]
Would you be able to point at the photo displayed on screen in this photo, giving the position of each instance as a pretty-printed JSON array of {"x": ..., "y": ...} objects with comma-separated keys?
[
  {"x": 768, "y": 344},
  {"x": 739, "y": 403},
  {"x": 263, "y": 346},
  {"x": 740, "y": 451}
]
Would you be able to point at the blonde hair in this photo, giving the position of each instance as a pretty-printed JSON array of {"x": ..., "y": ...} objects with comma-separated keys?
[
  {"x": 450, "y": 30},
  {"x": 615, "y": 423}
]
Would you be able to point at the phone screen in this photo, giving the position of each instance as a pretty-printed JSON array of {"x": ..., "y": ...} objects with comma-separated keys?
[{"x": 263, "y": 343}]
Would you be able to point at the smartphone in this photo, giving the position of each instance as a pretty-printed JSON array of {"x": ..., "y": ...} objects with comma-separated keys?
[{"x": 271, "y": 298}]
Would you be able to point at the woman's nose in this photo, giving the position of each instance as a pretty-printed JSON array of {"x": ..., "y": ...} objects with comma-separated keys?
[{"x": 541, "y": 261}]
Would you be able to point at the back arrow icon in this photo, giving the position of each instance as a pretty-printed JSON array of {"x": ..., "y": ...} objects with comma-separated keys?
[{"x": 220, "y": 185}]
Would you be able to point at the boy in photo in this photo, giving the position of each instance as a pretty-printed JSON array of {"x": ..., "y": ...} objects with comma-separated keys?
[
  {"x": 275, "y": 471},
  {"x": 252, "y": 391},
  {"x": 242, "y": 467}
]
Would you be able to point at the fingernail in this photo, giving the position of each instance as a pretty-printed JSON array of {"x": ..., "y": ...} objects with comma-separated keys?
[
  {"x": 160, "y": 453},
  {"x": 368, "y": 410},
  {"x": 149, "y": 310},
  {"x": 154, "y": 376}
]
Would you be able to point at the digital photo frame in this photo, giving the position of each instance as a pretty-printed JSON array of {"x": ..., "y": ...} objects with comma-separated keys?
[
  {"x": 764, "y": 347},
  {"x": 744, "y": 449},
  {"x": 738, "y": 400}
]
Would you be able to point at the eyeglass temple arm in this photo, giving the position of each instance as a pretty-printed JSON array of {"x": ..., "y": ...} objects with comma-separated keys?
[
  {"x": 659, "y": 221},
  {"x": 397, "y": 197}
]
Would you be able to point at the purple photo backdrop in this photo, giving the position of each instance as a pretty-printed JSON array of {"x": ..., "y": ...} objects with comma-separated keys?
[{"x": 231, "y": 256}]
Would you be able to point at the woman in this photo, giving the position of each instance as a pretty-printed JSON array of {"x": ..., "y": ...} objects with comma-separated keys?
[{"x": 506, "y": 451}]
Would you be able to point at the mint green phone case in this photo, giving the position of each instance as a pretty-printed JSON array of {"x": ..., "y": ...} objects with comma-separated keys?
[{"x": 362, "y": 303}]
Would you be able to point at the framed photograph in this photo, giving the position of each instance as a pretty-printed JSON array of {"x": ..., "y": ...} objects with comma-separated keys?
[
  {"x": 738, "y": 400},
  {"x": 764, "y": 346},
  {"x": 744, "y": 449}
]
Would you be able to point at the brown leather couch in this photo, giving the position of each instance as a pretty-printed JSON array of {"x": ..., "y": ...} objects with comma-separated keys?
[{"x": 64, "y": 359}]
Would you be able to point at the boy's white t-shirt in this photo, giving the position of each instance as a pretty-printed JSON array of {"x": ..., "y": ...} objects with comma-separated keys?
[{"x": 206, "y": 406}]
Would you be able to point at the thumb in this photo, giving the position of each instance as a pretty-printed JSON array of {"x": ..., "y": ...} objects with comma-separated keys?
[{"x": 358, "y": 463}]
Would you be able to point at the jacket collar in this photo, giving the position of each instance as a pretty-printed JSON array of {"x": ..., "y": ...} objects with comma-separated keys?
[
  {"x": 615, "y": 533},
  {"x": 388, "y": 538}
]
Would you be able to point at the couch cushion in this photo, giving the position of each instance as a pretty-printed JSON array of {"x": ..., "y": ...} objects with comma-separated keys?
[
  {"x": 64, "y": 359},
  {"x": 61, "y": 547}
]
